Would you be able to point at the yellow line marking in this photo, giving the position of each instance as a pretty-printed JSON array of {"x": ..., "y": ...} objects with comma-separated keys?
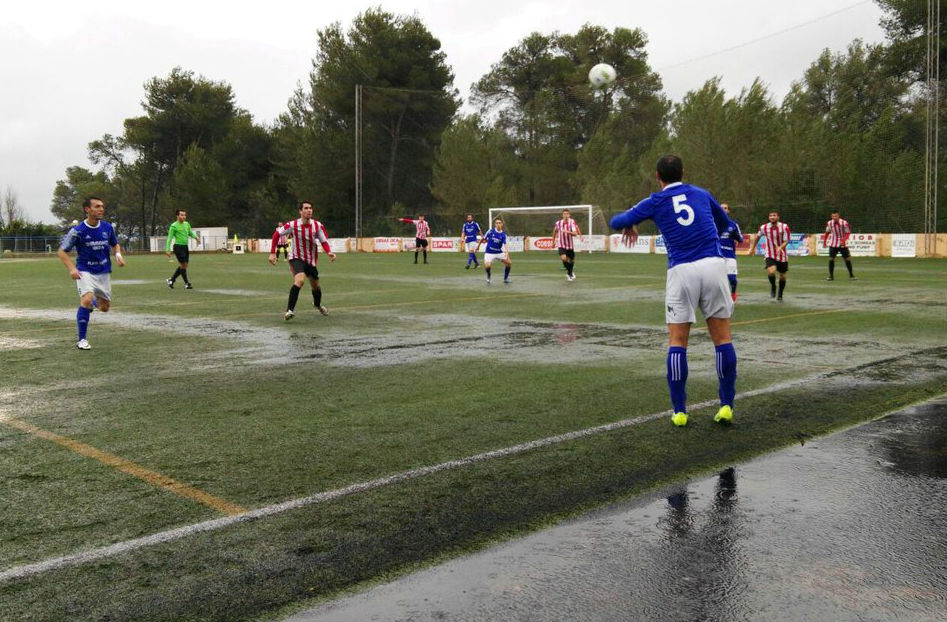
[{"x": 155, "y": 479}]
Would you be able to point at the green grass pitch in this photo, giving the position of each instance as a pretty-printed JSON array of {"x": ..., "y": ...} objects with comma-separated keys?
[{"x": 204, "y": 405}]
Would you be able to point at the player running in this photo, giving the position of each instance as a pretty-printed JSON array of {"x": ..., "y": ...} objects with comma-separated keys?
[
  {"x": 690, "y": 220},
  {"x": 178, "y": 234},
  {"x": 93, "y": 238},
  {"x": 835, "y": 237},
  {"x": 564, "y": 233},
  {"x": 470, "y": 234},
  {"x": 777, "y": 237},
  {"x": 727, "y": 237},
  {"x": 497, "y": 248},
  {"x": 306, "y": 233}
]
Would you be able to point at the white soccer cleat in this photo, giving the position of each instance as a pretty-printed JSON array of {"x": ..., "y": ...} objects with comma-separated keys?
[
  {"x": 288, "y": 315},
  {"x": 323, "y": 310},
  {"x": 170, "y": 283},
  {"x": 488, "y": 280},
  {"x": 83, "y": 345}
]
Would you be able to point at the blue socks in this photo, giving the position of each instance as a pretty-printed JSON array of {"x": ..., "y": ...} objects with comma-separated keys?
[
  {"x": 677, "y": 377},
  {"x": 82, "y": 321},
  {"x": 726, "y": 373},
  {"x": 472, "y": 258}
]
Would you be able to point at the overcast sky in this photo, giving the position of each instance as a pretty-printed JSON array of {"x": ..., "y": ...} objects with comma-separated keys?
[{"x": 73, "y": 71}]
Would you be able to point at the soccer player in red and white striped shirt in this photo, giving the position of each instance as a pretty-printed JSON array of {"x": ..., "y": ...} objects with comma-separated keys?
[
  {"x": 777, "y": 236},
  {"x": 564, "y": 234},
  {"x": 307, "y": 235},
  {"x": 835, "y": 237}
]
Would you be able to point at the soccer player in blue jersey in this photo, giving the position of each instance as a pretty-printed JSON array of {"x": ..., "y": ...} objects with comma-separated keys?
[
  {"x": 94, "y": 240},
  {"x": 727, "y": 238},
  {"x": 469, "y": 236},
  {"x": 690, "y": 219},
  {"x": 497, "y": 248}
]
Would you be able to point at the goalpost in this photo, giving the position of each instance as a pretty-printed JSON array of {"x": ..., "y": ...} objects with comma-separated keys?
[{"x": 522, "y": 220}]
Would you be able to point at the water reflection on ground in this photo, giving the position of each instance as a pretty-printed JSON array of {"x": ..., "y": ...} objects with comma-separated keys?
[{"x": 849, "y": 527}]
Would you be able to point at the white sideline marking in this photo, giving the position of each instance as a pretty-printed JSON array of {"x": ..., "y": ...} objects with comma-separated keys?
[{"x": 75, "y": 559}]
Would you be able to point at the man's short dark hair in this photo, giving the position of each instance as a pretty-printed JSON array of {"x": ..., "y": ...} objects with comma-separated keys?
[
  {"x": 302, "y": 203},
  {"x": 88, "y": 201},
  {"x": 670, "y": 169},
  {"x": 835, "y": 211},
  {"x": 178, "y": 211}
]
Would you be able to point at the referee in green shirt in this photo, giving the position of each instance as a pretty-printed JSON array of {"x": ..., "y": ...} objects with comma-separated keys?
[{"x": 178, "y": 233}]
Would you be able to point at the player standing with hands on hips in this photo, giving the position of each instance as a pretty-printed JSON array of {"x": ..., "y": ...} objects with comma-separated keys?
[
  {"x": 777, "y": 237},
  {"x": 564, "y": 234},
  {"x": 178, "y": 234},
  {"x": 837, "y": 231},
  {"x": 307, "y": 234},
  {"x": 94, "y": 240},
  {"x": 690, "y": 219},
  {"x": 469, "y": 236}
]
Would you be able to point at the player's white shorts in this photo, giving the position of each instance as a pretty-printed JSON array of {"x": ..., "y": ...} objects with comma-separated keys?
[
  {"x": 491, "y": 257},
  {"x": 99, "y": 284},
  {"x": 471, "y": 246},
  {"x": 702, "y": 283},
  {"x": 731, "y": 265}
]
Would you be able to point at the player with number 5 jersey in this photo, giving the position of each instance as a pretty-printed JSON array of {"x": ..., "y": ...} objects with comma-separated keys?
[{"x": 690, "y": 219}]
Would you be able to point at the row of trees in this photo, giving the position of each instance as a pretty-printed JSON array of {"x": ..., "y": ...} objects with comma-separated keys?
[{"x": 850, "y": 134}]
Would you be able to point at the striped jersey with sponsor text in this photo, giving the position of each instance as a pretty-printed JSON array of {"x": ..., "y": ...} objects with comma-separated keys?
[
  {"x": 560, "y": 233},
  {"x": 306, "y": 238},
  {"x": 836, "y": 232},
  {"x": 776, "y": 234},
  {"x": 422, "y": 229}
]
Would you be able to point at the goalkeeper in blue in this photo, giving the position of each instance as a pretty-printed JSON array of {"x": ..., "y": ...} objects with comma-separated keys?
[{"x": 691, "y": 220}]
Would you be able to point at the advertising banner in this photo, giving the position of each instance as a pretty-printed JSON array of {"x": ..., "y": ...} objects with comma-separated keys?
[
  {"x": 743, "y": 248},
  {"x": 444, "y": 245},
  {"x": 798, "y": 245},
  {"x": 407, "y": 244},
  {"x": 642, "y": 244},
  {"x": 387, "y": 245},
  {"x": 540, "y": 244},
  {"x": 903, "y": 245},
  {"x": 339, "y": 245},
  {"x": 859, "y": 244},
  {"x": 598, "y": 243},
  {"x": 516, "y": 243}
]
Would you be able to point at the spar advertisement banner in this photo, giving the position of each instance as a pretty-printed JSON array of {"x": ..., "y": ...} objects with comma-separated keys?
[
  {"x": 798, "y": 245},
  {"x": 859, "y": 245},
  {"x": 903, "y": 245},
  {"x": 387, "y": 245},
  {"x": 642, "y": 244},
  {"x": 444, "y": 245}
]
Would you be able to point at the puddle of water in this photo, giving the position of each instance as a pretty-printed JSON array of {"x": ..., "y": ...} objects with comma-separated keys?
[{"x": 849, "y": 527}]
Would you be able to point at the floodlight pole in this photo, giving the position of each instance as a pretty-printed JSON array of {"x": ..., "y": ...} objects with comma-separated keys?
[
  {"x": 358, "y": 162},
  {"x": 932, "y": 135}
]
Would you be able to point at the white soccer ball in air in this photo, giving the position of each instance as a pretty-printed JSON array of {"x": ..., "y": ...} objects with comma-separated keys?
[
  {"x": 75, "y": 222},
  {"x": 602, "y": 75}
]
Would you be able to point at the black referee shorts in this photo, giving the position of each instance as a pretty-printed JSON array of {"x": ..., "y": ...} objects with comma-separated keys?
[
  {"x": 182, "y": 252},
  {"x": 298, "y": 265},
  {"x": 839, "y": 250},
  {"x": 781, "y": 266},
  {"x": 568, "y": 252}
]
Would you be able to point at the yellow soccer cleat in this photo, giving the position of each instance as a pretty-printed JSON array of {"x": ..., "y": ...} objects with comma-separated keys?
[
  {"x": 724, "y": 415},
  {"x": 679, "y": 419}
]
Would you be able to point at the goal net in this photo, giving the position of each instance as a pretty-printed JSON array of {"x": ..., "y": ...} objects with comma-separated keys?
[{"x": 534, "y": 222}]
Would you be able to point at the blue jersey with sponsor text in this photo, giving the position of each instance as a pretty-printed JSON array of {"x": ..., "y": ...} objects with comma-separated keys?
[
  {"x": 93, "y": 246},
  {"x": 727, "y": 237},
  {"x": 688, "y": 217},
  {"x": 495, "y": 241},
  {"x": 471, "y": 230}
]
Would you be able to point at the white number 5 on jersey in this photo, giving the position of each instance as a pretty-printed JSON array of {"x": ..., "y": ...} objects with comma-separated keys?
[{"x": 679, "y": 206}]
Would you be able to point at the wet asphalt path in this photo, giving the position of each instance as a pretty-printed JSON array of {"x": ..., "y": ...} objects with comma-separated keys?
[{"x": 847, "y": 527}]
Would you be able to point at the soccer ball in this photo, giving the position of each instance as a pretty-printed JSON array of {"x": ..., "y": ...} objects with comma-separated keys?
[
  {"x": 602, "y": 75},
  {"x": 75, "y": 222}
]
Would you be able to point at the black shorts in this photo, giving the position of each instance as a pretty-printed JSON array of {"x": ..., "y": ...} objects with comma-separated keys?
[
  {"x": 298, "y": 265},
  {"x": 836, "y": 250},
  {"x": 781, "y": 266},
  {"x": 568, "y": 252},
  {"x": 182, "y": 252},
  {"x": 419, "y": 243}
]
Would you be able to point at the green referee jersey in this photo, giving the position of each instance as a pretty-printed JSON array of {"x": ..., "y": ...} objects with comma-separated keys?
[{"x": 178, "y": 233}]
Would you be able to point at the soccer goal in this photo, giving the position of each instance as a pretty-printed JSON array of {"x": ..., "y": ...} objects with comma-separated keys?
[{"x": 539, "y": 221}]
